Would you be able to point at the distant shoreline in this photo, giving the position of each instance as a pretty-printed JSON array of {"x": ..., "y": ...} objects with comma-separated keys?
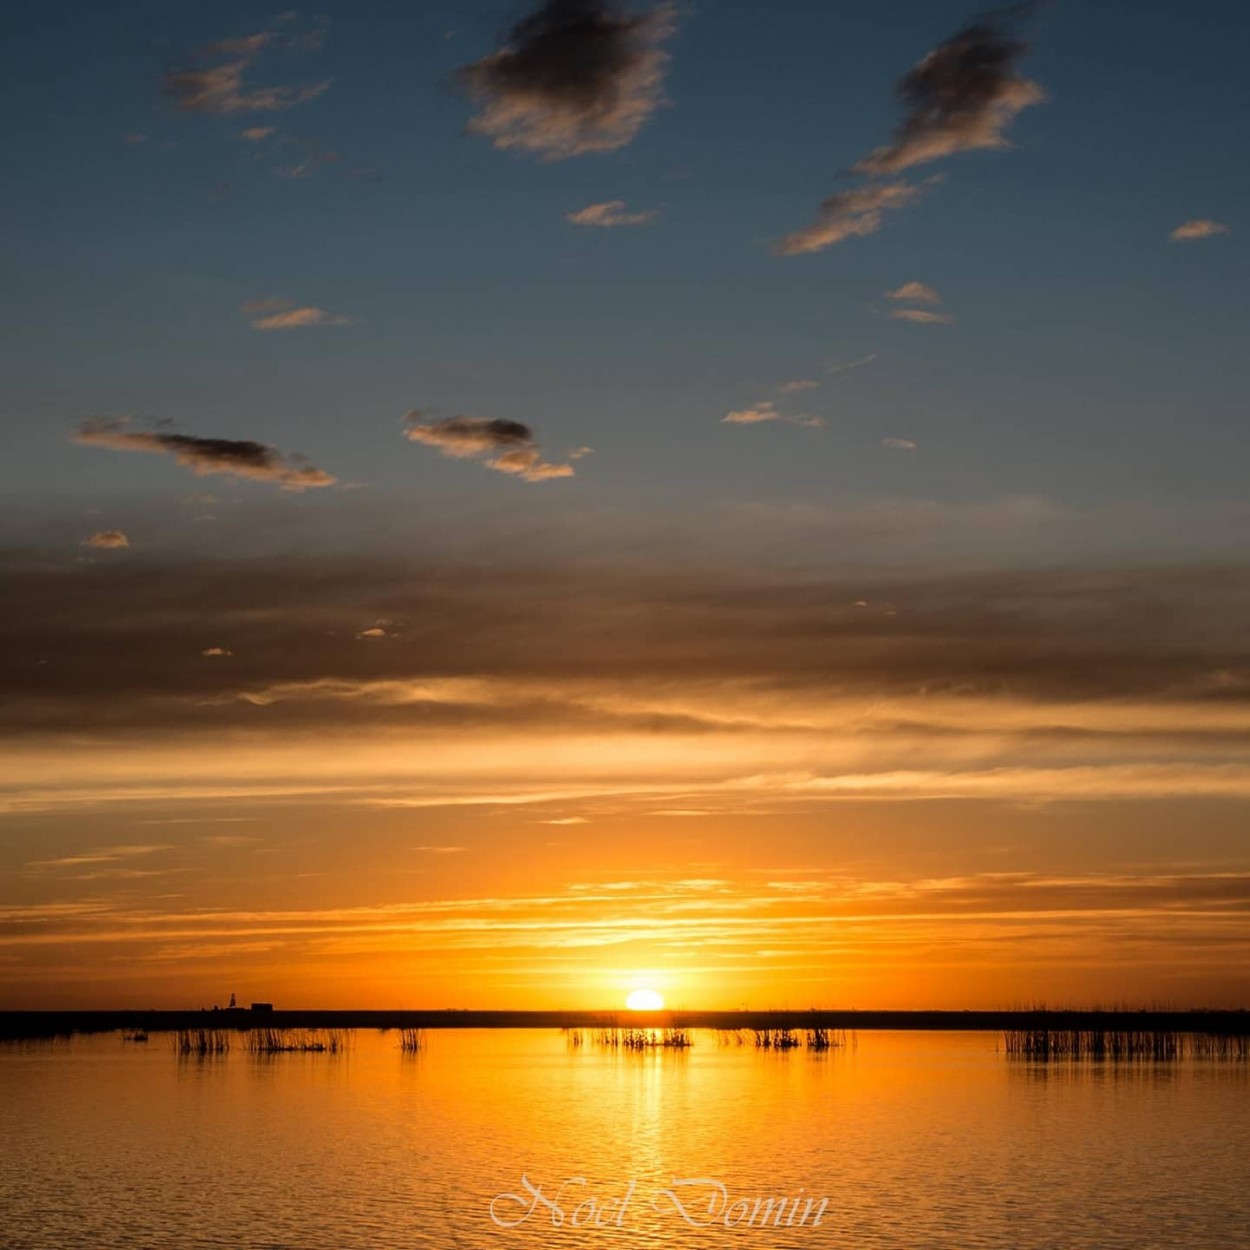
[{"x": 16, "y": 1025}]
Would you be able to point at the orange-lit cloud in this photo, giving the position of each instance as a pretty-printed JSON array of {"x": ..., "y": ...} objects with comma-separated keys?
[
  {"x": 921, "y": 316},
  {"x": 106, "y": 540},
  {"x": 609, "y": 213},
  {"x": 505, "y": 446},
  {"x": 1199, "y": 228},
  {"x": 282, "y": 314},
  {"x": 851, "y": 214}
]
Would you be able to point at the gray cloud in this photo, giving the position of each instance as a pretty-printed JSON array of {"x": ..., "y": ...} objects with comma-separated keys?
[
  {"x": 203, "y": 456},
  {"x": 505, "y": 446},
  {"x": 574, "y": 76},
  {"x": 958, "y": 98}
]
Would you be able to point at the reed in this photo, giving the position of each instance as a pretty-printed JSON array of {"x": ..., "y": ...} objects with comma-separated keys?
[
  {"x": 134, "y": 1035},
  {"x": 200, "y": 1043},
  {"x": 271, "y": 1041},
  {"x": 778, "y": 1038},
  {"x": 411, "y": 1041},
  {"x": 643, "y": 1039},
  {"x": 1123, "y": 1045}
]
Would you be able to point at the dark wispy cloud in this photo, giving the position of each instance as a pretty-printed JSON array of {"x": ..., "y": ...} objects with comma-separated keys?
[
  {"x": 505, "y": 446},
  {"x": 961, "y": 97},
  {"x": 1059, "y": 653},
  {"x": 1198, "y": 228},
  {"x": 106, "y": 540},
  {"x": 850, "y": 214},
  {"x": 214, "y": 80},
  {"x": 609, "y": 213},
  {"x": 235, "y": 457},
  {"x": 574, "y": 76},
  {"x": 285, "y": 314}
]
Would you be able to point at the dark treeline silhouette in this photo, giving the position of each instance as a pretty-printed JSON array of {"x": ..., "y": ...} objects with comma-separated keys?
[{"x": 19, "y": 1025}]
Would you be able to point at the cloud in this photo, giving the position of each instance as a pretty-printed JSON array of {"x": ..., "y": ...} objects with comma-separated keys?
[
  {"x": 574, "y": 76},
  {"x": 203, "y": 456},
  {"x": 848, "y": 214},
  {"x": 521, "y": 676},
  {"x": 915, "y": 293},
  {"x": 505, "y": 446},
  {"x": 853, "y": 364},
  {"x": 609, "y": 213},
  {"x": 921, "y": 317},
  {"x": 897, "y": 444},
  {"x": 106, "y": 540},
  {"x": 216, "y": 653},
  {"x": 313, "y": 159},
  {"x": 766, "y": 410},
  {"x": 1198, "y": 228},
  {"x": 214, "y": 82},
  {"x": 281, "y": 314},
  {"x": 801, "y": 384},
  {"x": 255, "y": 134},
  {"x": 958, "y": 98}
]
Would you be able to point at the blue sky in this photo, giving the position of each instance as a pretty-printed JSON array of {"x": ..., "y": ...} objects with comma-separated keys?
[{"x": 1091, "y": 359}]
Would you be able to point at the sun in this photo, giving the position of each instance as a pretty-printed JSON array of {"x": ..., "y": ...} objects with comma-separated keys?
[{"x": 645, "y": 1000}]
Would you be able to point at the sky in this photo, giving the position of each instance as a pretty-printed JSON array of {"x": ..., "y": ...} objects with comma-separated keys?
[{"x": 508, "y": 504}]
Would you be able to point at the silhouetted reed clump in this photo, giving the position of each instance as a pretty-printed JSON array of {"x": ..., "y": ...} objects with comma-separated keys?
[
  {"x": 777, "y": 1038},
  {"x": 201, "y": 1043},
  {"x": 642, "y": 1039},
  {"x": 785, "y": 1037},
  {"x": 134, "y": 1035},
  {"x": 294, "y": 1041},
  {"x": 1042, "y": 1045},
  {"x": 411, "y": 1041}
]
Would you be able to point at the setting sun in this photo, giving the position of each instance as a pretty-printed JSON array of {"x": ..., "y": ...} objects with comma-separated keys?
[{"x": 645, "y": 1000}]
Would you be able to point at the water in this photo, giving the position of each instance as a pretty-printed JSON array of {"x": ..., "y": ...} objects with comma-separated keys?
[{"x": 917, "y": 1141}]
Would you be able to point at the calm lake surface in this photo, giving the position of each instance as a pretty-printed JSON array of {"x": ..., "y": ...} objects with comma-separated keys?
[{"x": 916, "y": 1141}]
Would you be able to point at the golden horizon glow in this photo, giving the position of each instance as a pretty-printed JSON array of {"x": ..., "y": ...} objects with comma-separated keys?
[{"x": 645, "y": 1000}]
